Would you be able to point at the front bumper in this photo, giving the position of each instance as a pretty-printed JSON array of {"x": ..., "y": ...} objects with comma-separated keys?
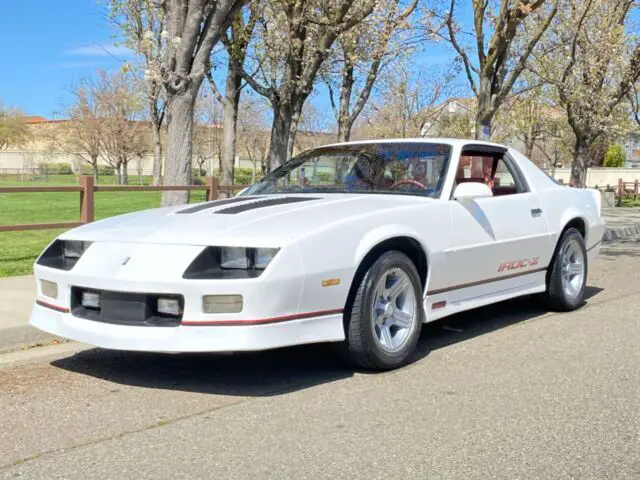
[
  {"x": 272, "y": 315},
  {"x": 189, "y": 338}
]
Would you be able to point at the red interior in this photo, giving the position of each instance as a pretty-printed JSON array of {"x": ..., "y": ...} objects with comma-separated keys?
[{"x": 483, "y": 168}]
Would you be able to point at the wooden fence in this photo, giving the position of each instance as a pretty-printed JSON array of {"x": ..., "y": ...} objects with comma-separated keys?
[
  {"x": 626, "y": 189},
  {"x": 87, "y": 188}
]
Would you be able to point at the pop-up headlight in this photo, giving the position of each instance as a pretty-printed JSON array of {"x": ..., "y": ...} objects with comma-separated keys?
[
  {"x": 230, "y": 262},
  {"x": 63, "y": 254}
]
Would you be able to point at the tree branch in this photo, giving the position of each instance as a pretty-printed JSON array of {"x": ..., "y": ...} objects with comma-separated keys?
[
  {"x": 468, "y": 66},
  {"x": 507, "y": 86}
]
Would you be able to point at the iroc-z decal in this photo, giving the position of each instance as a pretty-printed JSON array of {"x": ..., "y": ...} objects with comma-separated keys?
[{"x": 519, "y": 264}]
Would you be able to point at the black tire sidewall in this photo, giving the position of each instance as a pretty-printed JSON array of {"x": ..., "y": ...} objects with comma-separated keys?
[
  {"x": 387, "y": 261},
  {"x": 556, "y": 290}
]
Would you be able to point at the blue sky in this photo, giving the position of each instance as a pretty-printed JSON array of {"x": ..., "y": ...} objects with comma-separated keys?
[{"x": 45, "y": 46}]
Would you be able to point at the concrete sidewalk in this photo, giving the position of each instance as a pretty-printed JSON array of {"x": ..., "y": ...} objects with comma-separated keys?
[{"x": 17, "y": 294}]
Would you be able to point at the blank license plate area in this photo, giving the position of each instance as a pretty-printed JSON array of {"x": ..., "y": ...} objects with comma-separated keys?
[{"x": 124, "y": 308}]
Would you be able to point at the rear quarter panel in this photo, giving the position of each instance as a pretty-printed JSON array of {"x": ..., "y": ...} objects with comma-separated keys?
[{"x": 561, "y": 204}]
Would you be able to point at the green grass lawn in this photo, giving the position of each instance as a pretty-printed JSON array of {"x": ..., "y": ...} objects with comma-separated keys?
[{"x": 18, "y": 250}]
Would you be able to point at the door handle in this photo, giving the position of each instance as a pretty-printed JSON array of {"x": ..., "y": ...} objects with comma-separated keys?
[{"x": 536, "y": 212}]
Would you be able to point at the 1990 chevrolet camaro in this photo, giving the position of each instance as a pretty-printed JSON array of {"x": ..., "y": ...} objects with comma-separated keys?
[{"x": 359, "y": 243}]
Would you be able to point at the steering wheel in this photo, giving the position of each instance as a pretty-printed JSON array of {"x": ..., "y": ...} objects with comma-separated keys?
[{"x": 408, "y": 182}]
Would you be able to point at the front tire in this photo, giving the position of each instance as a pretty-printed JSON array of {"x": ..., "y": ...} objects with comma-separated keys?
[
  {"x": 568, "y": 274},
  {"x": 385, "y": 318}
]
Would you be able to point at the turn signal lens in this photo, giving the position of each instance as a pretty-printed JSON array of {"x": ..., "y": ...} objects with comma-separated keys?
[
  {"x": 222, "y": 303},
  {"x": 49, "y": 289}
]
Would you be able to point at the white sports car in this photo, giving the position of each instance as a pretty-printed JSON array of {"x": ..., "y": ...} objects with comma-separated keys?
[{"x": 359, "y": 243}]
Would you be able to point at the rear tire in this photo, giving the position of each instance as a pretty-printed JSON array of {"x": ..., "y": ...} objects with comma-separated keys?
[
  {"x": 385, "y": 318},
  {"x": 568, "y": 273}
]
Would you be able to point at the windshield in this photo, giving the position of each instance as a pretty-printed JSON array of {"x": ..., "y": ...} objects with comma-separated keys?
[{"x": 400, "y": 168}]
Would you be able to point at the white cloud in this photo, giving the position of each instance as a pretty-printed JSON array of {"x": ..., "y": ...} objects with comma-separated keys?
[
  {"x": 100, "y": 50},
  {"x": 80, "y": 64}
]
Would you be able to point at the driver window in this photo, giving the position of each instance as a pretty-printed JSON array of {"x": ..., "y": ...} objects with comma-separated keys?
[
  {"x": 489, "y": 169},
  {"x": 474, "y": 168}
]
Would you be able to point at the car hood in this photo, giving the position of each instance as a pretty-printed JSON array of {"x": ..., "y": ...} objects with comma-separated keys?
[{"x": 269, "y": 220}]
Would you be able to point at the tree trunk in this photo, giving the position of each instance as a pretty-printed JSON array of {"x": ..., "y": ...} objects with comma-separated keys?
[
  {"x": 230, "y": 121},
  {"x": 528, "y": 146},
  {"x": 344, "y": 117},
  {"x": 344, "y": 131},
  {"x": 94, "y": 169},
  {"x": 485, "y": 114},
  {"x": 579, "y": 164},
  {"x": 125, "y": 172},
  {"x": 293, "y": 131},
  {"x": 118, "y": 170},
  {"x": 484, "y": 120},
  {"x": 179, "y": 146},
  {"x": 157, "y": 155},
  {"x": 280, "y": 130}
]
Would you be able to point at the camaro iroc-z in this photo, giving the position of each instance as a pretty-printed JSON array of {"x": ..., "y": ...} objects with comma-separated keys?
[{"x": 359, "y": 243}]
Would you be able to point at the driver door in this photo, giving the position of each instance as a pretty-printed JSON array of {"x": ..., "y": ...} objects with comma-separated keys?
[{"x": 495, "y": 238}]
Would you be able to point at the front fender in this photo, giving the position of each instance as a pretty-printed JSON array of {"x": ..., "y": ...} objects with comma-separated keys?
[{"x": 383, "y": 233}]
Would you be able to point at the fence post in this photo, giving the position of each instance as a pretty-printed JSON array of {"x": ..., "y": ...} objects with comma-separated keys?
[
  {"x": 212, "y": 188},
  {"x": 620, "y": 191},
  {"x": 86, "y": 199},
  {"x": 635, "y": 190}
]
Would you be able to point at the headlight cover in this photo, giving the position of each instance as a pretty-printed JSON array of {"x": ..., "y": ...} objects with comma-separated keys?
[
  {"x": 230, "y": 262},
  {"x": 63, "y": 254}
]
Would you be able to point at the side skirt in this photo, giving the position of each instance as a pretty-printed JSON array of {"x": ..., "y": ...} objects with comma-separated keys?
[{"x": 449, "y": 302}]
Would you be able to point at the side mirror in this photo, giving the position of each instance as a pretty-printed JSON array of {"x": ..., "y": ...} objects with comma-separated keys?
[{"x": 471, "y": 190}]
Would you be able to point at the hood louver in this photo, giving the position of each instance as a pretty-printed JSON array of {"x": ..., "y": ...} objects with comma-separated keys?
[
  {"x": 214, "y": 204},
  {"x": 270, "y": 202}
]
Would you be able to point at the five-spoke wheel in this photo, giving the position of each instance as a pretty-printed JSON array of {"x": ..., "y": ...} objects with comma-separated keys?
[
  {"x": 568, "y": 272},
  {"x": 385, "y": 317}
]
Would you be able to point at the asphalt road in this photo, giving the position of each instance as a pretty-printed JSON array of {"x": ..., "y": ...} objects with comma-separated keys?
[{"x": 508, "y": 391}]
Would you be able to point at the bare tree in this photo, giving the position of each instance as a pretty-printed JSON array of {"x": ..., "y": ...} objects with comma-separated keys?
[
  {"x": 142, "y": 25},
  {"x": 81, "y": 134},
  {"x": 208, "y": 137},
  {"x": 13, "y": 129},
  {"x": 294, "y": 39},
  {"x": 236, "y": 43},
  {"x": 515, "y": 28},
  {"x": 124, "y": 135},
  {"x": 253, "y": 132},
  {"x": 406, "y": 104},
  {"x": 593, "y": 64},
  {"x": 365, "y": 51}
]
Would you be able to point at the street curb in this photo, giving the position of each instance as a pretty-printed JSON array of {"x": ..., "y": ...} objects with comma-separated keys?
[
  {"x": 24, "y": 336},
  {"x": 612, "y": 234}
]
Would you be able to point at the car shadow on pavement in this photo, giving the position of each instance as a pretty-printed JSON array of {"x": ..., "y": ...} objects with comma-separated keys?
[{"x": 285, "y": 370}]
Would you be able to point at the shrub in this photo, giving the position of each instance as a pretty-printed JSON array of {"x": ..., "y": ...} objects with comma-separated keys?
[
  {"x": 105, "y": 170},
  {"x": 53, "y": 168},
  {"x": 615, "y": 156},
  {"x": 242, "y": 176},
  {"x": 86, "y": 169}
]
